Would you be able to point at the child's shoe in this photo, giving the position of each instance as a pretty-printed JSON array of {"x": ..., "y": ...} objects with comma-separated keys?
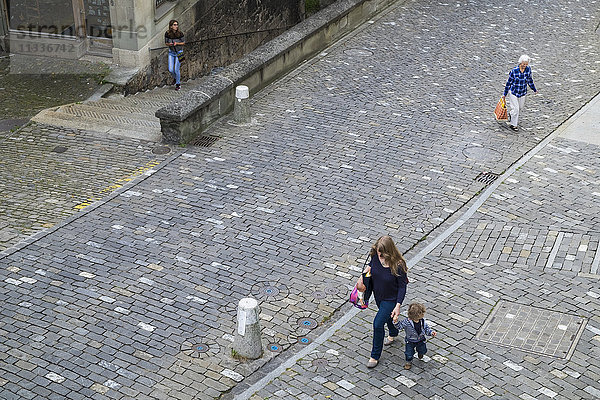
[
  {"x": 177, "y": 87},
  {"x": 407, "y": 365},
  {"x": 420, "y": 356}
]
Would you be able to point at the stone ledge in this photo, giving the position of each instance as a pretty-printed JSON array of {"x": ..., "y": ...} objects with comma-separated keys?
[{"x": 186, "y": 118}]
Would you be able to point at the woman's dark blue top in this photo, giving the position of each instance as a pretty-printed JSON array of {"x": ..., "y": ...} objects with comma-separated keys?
[{"x": 387, "y": 287}]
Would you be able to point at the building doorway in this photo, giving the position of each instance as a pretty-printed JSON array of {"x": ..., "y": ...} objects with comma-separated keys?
[{"x": 87, "y": 20}]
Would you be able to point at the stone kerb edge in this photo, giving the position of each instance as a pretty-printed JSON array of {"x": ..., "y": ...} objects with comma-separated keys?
[{"x": 184, "y": 119}]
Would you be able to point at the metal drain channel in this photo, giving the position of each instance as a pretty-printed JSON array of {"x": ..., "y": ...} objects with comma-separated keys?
[
  {"x": 205, "y": 141},
  {"x": 487, "y": 177}
]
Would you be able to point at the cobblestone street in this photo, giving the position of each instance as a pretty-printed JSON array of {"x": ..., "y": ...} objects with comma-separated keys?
[
  {"x": 66, "y": 172},
  {"x": 387, "y": 132},
  {"x": 23, "y": 95}
]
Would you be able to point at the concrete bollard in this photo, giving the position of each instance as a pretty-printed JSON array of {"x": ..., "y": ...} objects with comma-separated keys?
[
  {"x": 241, "y": 107},
  {"x": 247, "y": 342}
]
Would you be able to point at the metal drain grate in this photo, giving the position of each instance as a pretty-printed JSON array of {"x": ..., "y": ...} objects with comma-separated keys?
[
  {"x": 486, "y": 177},
  {"x": 205, "y": 141}
]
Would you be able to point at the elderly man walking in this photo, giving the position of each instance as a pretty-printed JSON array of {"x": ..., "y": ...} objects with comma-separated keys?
[{"x": 516, "y": 88}]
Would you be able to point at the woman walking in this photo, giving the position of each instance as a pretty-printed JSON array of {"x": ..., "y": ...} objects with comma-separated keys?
[
  {"x": 388, "y": 279},
  {"x": 516, "y": 88},
  {"x": 175, "y": 41}
]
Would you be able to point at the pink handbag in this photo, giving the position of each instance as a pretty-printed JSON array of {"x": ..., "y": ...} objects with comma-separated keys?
[{"x": 355, "y": 300}]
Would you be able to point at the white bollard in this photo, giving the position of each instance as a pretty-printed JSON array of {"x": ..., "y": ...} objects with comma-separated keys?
[
  {"x": 241, "y": 107},
  {"x": 247, "y": 342}
]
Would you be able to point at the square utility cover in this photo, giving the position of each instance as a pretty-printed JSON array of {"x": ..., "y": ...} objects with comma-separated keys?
[{"x": 532, "y": 329}]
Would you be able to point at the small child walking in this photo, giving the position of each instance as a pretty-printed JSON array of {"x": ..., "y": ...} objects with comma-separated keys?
[{"x": 415, "y": 329}]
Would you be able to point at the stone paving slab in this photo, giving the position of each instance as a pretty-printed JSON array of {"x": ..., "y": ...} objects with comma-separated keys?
[{"x": 344, "y": 149}]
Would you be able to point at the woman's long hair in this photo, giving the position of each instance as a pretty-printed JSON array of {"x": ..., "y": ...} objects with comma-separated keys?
[
  {"x": 172, "y": 33},
  {"x": 390, "y": 254}
]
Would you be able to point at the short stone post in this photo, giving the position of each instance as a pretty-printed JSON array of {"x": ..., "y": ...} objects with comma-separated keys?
[
  {"x": 241, "y": 107},
  {"x": 247, "y": 341}
]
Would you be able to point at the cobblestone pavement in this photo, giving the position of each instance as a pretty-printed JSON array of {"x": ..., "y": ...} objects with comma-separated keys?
[
  {"x": 49, "y": 173},
  {"x": 385, "y": 132},
  {"x": 513, "y": 295},
  {"x": 23, "y": 95}
]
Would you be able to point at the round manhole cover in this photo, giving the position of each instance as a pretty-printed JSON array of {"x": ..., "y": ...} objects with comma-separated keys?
[
  {"x": 304, "y": 340},
  {"x": 307, "y": 323},
  {"x": 482, "y": 154},
  {"x": 201, "y": 348},
  {"x": 274, "y": 347},
  {"x": 269, "y": 290},
  {"x": 161, "y": 150},
  {"x": 358, "y": 52},
  {"x": 332, "y": 291},
  {"x": 319, "y": 362}
]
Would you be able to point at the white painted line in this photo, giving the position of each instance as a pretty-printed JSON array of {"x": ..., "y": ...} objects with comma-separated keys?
[{"x": 554, "y": 251}]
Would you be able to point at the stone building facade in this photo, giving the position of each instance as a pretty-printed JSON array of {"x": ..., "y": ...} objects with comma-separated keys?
[{"x": 131, "y": 32}]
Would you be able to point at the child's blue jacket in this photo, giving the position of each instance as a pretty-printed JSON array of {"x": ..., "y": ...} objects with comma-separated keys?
[{"x": 411, "y": 333}]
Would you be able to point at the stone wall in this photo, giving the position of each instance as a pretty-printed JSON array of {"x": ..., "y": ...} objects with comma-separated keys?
[
  {"x": 218, "y": 32},
  {"x": 190, "y": 114}
]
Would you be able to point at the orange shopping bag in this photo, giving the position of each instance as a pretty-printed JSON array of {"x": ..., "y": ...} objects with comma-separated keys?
[{"x": 500, "y": 111}]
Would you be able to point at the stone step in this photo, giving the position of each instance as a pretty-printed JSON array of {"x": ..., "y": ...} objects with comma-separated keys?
[
  {"x": 166, "y": 94},
  {"x": 112, "y": 126},
  {"x": 142, "y": 113},
  {"x": 134, "y": 101},
  {"x": 126, "y": 116},
  {"x": 125, "y": 119},
  {"x": 117, "y": 105}
]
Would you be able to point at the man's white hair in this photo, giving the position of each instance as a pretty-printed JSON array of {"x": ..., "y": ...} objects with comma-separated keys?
[{"x": 524, "y": 58}]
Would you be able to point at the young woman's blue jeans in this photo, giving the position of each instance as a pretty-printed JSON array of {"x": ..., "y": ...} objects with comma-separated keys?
[
  {"x": 381, "y": 319},
  {"x": 409, "y": 350},
  {"x": 174, "y": 67}
]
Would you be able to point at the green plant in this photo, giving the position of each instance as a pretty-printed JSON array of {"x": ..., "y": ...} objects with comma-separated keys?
[
  {"x": 238, "y": 357},
  {"x": 312, "y": 6}
]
